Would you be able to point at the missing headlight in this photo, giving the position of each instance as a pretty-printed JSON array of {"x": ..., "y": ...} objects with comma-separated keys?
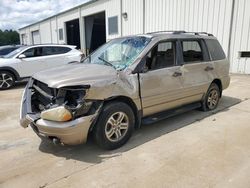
[{"x": 74, "y": 98}]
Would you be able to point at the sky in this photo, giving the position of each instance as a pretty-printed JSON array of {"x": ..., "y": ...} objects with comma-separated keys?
[{"x": 15, "y": 14}]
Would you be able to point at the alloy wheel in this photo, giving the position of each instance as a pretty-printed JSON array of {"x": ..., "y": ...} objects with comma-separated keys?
[
  {"x": 117, "y": 126},
  {"x": 6, "y": 80},
  {"x": 213, "y": 99}
]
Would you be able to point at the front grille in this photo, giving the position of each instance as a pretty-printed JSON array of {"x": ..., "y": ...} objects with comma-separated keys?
[
  {"x": 42, "y": 96},
  {"x": 43, "y": 86}
]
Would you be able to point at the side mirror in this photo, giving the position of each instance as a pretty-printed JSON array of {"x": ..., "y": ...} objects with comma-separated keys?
[
  {"x": 145, "y": 69},
  {"x": 21, "y": 56},
  {"x": 141, "y": 67}
]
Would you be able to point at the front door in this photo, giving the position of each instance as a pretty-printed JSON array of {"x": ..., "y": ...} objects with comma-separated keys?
[
  {"x": 161, "y": 88},
  {"x": 32, "y": 63}
]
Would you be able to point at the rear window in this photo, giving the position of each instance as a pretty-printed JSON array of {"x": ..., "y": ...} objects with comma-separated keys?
[
  {"x": 6, "y": 51},
  {"x": 215, "y": 50}
]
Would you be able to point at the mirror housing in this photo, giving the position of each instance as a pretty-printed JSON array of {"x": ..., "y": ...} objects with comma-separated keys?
[
  {"x": 140, "y": 68},
  {"x": 21, "y": 56}
]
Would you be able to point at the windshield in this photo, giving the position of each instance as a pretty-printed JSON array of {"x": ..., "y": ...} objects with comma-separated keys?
[
  {"x": 15, "y": 52},
  {"x": 119, "y": 53}
]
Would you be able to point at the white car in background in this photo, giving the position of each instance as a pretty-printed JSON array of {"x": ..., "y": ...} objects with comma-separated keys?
[{"x": 27, "y": 60}]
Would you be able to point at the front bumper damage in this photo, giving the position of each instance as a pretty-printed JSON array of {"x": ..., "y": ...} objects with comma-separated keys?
[{"x": 71, "y": 132}]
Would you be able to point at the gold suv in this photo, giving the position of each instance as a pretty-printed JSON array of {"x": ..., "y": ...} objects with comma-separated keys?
[{"x": 126, "y": 82}]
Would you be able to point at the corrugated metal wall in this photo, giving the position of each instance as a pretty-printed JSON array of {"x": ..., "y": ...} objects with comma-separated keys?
[
  {"x": 133, "y": 24},
  {"x": 240, "y": 40},
  {"x": 213, "y": 16},
  {"x": 111, "y": 8}
]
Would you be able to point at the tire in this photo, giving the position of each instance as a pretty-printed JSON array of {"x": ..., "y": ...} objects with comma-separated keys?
[
  {"x": 7, "y": 80},
  {"x": 110, "y": 132},
  {"x": 212, "y": 98}
]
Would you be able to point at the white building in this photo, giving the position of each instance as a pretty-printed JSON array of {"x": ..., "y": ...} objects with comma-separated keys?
[{"x": 93, "y": 23}]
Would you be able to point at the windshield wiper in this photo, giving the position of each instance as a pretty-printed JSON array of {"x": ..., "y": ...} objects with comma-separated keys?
[{"x": 106, "y": 62}]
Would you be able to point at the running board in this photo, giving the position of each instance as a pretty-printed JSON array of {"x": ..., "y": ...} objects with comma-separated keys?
[{"x": 169, "y": 113}]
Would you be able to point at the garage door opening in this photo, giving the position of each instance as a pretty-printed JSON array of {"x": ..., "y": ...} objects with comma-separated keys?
[
  {"x": 35, "y": 37},
  {"x": 95, "y": 31},
  {"x": 73, "y": 33}
]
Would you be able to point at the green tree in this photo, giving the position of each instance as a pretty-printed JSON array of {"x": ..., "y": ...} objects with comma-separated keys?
[{"x": 9, "y": 37}]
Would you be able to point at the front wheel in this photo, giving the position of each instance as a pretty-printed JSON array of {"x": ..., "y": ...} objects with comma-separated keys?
[
  {"x": 115, "y": 125},
  {"x": 7, "y": 80},
  {"x": 212, "y": 98}
]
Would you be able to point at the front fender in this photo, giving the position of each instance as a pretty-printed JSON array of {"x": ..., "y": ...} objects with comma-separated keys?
[{"x": 12, "y": 70}]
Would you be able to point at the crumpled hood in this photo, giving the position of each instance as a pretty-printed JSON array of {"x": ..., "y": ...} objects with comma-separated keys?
[{"x": 78, "y": 74}]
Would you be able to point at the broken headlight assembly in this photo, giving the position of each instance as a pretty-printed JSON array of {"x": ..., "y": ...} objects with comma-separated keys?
[
  {"x": 68, "y": 104},
  {"x": 59, "y": 113}
]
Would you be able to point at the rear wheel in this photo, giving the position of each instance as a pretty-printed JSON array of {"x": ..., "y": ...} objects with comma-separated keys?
[
  {"x": 7, "y": 80},
  {"x": 115, "y": 125},
  {"x": 212, "y": 98}
]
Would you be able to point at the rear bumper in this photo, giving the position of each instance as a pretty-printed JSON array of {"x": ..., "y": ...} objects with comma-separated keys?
[
  {"x": 225, "y": 82},
  {"x": 70, "y": 133}
]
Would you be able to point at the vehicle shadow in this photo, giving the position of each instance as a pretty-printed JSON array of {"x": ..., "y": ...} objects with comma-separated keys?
[
  {"x": 92, "y": 154},
  {"x": 19, "y": 85}
]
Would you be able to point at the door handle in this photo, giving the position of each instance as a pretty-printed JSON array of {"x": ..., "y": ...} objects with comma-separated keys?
[
  {"x": 176, "y": 74},
  {"x": 208, "y": 68}
]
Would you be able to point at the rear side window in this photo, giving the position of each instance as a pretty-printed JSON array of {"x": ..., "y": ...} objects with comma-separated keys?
[
  {"x": 55, "y": 50},
  {"x": 61, "y": 50},
  {"x": 192, "y": 51},
  {"x": 215, "y": 50}
]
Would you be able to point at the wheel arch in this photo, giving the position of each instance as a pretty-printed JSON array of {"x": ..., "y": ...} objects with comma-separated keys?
[
  {"x": 12, "y": 71},
  {"x": 219, "y": 84},
  {"x": 129, "y": 102}
]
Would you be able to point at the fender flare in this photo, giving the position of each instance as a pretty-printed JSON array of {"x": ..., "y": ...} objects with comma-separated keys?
[{"x": 12, "y": 70}]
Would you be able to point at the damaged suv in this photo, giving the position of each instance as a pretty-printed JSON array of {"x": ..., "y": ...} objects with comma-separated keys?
[{"x": 126, "y": 82}]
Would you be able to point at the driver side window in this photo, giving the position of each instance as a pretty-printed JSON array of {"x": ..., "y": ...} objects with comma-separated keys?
[
  {"x": 161, "y": 56},
  {"x": 33, "y": 52}
]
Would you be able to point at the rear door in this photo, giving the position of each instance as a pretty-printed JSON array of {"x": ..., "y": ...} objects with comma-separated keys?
[
  {"x": 161, "y": 88},
  {"x": 55, "y": 55},
  {"x": 197, "y": 69}
]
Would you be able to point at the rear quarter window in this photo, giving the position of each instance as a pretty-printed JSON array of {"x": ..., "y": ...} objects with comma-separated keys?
[
  {"x": 62, "y": 50},
  {"x": 55, "y": 50},
  {"x": 215, "y": 50}
]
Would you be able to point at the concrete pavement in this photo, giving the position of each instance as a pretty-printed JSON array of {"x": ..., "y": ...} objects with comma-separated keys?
[{"x": 194, "y": 149}]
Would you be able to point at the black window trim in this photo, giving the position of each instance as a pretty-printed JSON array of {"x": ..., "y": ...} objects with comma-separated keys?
[
  {"x": 46, "y": 47},
  {"x": 69, "y": 49},
  {"x": 204, "y": 49},
  {"x": 139, "y": 67},
  {"x": 30, "y": 49},
  {"x": 209, "y": 53}
]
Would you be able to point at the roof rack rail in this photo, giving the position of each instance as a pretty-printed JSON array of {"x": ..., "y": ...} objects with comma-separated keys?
[
  {"x": 182, "y": 32},
  {"x": 168, "y": 31},
  {"x": 199, "y": 33}
]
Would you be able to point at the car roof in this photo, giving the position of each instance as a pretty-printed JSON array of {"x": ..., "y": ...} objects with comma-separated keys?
[
  {"x": 52, "y": 45},
  {"x": 10, "y": 46},
  {"x": 182, "y": 34},
  {"x": 176, "y": 34}
]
